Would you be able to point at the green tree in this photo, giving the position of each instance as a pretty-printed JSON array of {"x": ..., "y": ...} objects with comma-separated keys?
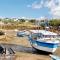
[
  {"x": 32, "y": 20},
  {"x": 54, "y": 22},
  {"x": 21, "y": 20},
  {"x": 0, "y": 19}
]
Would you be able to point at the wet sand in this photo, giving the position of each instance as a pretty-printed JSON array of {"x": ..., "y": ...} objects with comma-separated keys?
[{"x": 23, "y": 49}]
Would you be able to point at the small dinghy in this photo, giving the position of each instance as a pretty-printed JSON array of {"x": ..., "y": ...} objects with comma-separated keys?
[
  {"x": 23, "y": 33},
  {"x": 54, "y": 57},
  {"x": 20, "y": 33}
]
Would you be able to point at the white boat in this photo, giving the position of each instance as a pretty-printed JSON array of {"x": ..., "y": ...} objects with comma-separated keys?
[
  {"x": 54, "y": 57},
  {"x": 59, "y": 39},
  {"x": 23, "y": 33},
  {"x": 44, "y": 40},
  {"x": 20, "y": 33}
]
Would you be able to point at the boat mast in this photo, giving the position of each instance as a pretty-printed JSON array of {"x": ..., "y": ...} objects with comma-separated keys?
[
  {"x": 46, "y": 24},
  {"x": 37, "y": 23}
]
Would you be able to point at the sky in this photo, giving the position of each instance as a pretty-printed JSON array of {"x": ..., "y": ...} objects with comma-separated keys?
[{"x": 30, "y": 8}]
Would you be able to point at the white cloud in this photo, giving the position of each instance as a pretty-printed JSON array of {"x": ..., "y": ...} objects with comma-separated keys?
[
  {"x": 36, "y": 5},
  {"x": 41, "y": 18},
  {"x": 23, "y": 17},
  {"x": 52, "y": 5}
]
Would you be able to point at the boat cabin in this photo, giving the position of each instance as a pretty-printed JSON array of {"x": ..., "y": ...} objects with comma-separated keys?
[{"x": 42, "y": 34}]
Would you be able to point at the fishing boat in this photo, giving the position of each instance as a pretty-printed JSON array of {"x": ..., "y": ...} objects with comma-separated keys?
[
  {"x": 43, "y": 40},
  {"x": 59, "y": 39}
]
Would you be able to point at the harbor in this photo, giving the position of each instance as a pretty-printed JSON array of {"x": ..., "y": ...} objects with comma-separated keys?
[
  {"x": 29, "y": 29},
  {"x": 22, "y": 47}
]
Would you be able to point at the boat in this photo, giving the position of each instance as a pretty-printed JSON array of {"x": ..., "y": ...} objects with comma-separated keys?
[
  {"x": 20, "y": 33},
  {"x": 1, "y": 49},
  {"x": 59, "y": 39},
  {"x": 54, "y": 57},
  {"x": 43, "y": 40},
  {"x": 23, "y": 33}
]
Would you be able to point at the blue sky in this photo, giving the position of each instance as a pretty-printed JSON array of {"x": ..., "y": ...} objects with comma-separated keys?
[{"x": 29, "y": 8}]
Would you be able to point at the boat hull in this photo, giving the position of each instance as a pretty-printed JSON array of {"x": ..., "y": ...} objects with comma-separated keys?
[
  {"x": 59, "y": 45},
  {"x": 44, "y": 46},
  {"x": 46, "y": 49}
]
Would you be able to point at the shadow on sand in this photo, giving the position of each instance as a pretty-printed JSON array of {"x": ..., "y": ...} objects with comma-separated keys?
[{"x": 20, "y": 48}]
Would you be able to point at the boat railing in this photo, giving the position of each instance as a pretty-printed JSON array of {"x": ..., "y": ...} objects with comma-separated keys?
[
  {"x": 52, "y": 39},
  {"x": 47, "y": 39}
]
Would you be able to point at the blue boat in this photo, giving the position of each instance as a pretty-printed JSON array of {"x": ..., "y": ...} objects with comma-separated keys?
[
  {"x": 44, "y": 40},
  {"x": 20, "y": 33},
  {"x": 23, "y": 33}
]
